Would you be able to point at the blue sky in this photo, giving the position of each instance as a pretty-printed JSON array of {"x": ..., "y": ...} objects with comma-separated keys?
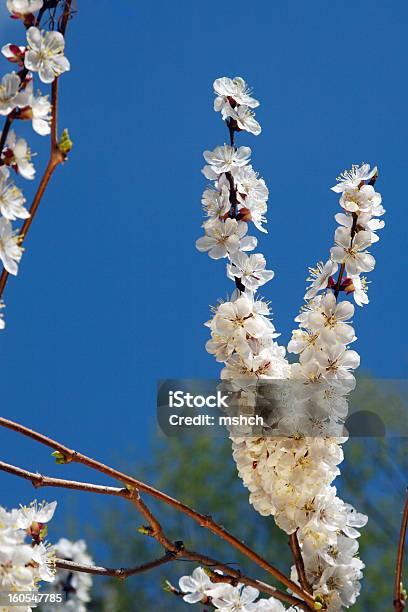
[{"x": 112, "y": 294}]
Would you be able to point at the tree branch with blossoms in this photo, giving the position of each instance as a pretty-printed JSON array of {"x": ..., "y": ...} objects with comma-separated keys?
[
  {"x": 175, "y": 550},
  {"x": 44, "y": 54},
  {"x": 290, "y": 466}
]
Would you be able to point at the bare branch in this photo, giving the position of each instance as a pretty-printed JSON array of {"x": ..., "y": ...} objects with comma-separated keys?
[
  {"x": 68, "y": 455},
  {"x": 173, "y": 550},
  {"x": 120, "y": 573},
  {"x": 38, "y": 480}
]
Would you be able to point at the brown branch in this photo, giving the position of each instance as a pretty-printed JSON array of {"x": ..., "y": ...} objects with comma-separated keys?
[
  {"x": 66, "y": 14},
  {"x": 235, "y": 575},
  {"x": 54, "y": 120},
  {"x": 230, "y": 576},
  {"x": 38, "y": 480},
  {"x": 120, "y": 573},
  {"x": 155, "y": 529},
  {"x": 300, "y": 566},
  {"x": 173, "y": 550},
  {"x": 68, "y": 455},
  {"x": 399, "y": 601}
]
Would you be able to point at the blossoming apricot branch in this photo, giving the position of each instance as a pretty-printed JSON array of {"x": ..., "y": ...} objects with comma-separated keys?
[
  {"x": 43, "y": 54},
  {"x": 290, "y": 469}
]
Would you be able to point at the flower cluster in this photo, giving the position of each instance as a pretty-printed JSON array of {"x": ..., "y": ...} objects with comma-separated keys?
[
  {"x": 75, "y": 585},
  {"x": 234, "y": 101},
  {"x": 326, "y": 525},
  {"x": 225, "y": 597},
  {"x": 42, "y": 54},
  {"x": 242, "y": 335},
  {"x": 25, "y": 557},
  {"x": 289, "y": 468}
]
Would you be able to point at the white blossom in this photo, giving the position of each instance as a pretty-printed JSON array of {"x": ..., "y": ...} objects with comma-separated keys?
[
  {"x": 255, "y": 211},
  {"x": 11, "y": 198},
  {"x": 330, "y": 321},
  {"x": 45, "y": 54},
  {"x": 358, "y": 286},
  {"x": 223, "y": 159},
  {"x": 233, "y": 91},
  {"x": 44, "y": 556},
  {"x": 249, "y": 185},
  {"x": 216, "y": 202},
  {"x": 271, "y": 605},
  {"x": 37, "y": 108},
  {"x": 337, "y": 362},
  {"x": 354, "y": 255},
  {"x": 75, "y": 585},
  {"x": 239, "y": 317},
  {"x": 228, "y": 598},
  {"x": 23, "y": 563},
  {"x": 10, "y": 96},
  {"x": 17, "y": 154},
  {"x": 10, "y": 249},
  {"x": 24, "y": 7},
  {"x": 365, "y": 221},
  {"x": 195, "y": 586},
  {"x": 225, "y": 237},
  {"x": 250, "y": 270},
  {"x": 35, "y": 513},
  {"x": 245, "y": 119},
  {"x": 319, "y": 277},
  {"x": 350, "y": 179},
  {"x": 363, "y": 199}
]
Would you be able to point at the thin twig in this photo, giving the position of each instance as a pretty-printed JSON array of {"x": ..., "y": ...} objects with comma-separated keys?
[
  {"x": 66, "y": 14},
  {"x": 399, "y": 602},
  {"x": 120, "y": 573},
  {"x": 205, "y": 521},
  {"x": 257, "y": 584},
  {"x": 38, "y": 480},
  {"x": 300, "y": 566},
  {"x": 54, "y": 121}
]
